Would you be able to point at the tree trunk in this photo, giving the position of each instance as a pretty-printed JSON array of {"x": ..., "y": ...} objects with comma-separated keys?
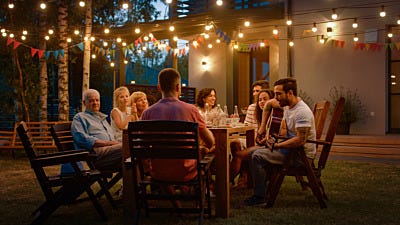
[
  {"x": 63, "y": 96},
  {"x": 43, "y": 70},
  {"x": 86, "y": 52}
]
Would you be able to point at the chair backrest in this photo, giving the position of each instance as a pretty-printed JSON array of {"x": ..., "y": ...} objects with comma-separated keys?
[
  {"x": 62, "y": 136},
  {"x": 320, "y": 111},
  {"x": 330, "y": 135},
  {"x": 164, "y": 139}
]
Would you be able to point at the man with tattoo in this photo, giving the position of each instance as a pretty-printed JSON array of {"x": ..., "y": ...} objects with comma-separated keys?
[{"x": 298, "y": 120}]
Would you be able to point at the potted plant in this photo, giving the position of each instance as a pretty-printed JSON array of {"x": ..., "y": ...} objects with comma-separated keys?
[{"x": 354, "y": 110}]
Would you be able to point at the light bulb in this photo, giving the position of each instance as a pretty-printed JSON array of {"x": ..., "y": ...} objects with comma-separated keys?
[
  {"x": 24, "y": 32},
  {"x": 334, "y": 15},
  {"x": 51, "y": 31},
  {"x": 11, "y": 35},
  {"x": 125, "y": 5},
  {"x": 11, "y": 5},
  {"x": 85, "y": 38},
  {"x": 125, "y": 61},
  {"x": 289, "y": 22},
  {"x": 210, "y": 45},
  {"x": 106, "y": 31},
  {"x": 246, "y": 23},
  {"x": 218, "y": 40},
  {"x": 137, "y": 30},
  {"x": 92, "y": 38},
  {"x": 329, "y": 31},
  {"x": 76, "y": 32},
  {"x": 43, "y": 6},
  {"x": 322, "y": 40},
  {"x": 262, "y": 44},
  {"x": 124, "y": 43},
  {"x": 112, "y": 64},
  {"x": 398, "y": 20},
  {"x": 119, "y": 40},
  {"x": 145, "y": 38},
  {"x": 291, "y": 43},
  {"x": 69, "y": 40},
  {"x": 175, "y": 38},
  {"x": 47, "y": 37},
  {"x": 168, "y": 1},
  {"x": 23, "y": 38},
  {"x": 314, "y": 28},
  {"x": 390, "y": 35},
  {"x": 382, "y": 13},
  {"x": 82, "y": 3},
  {"x": 275, "y": 31},
  {"x": 206, "y": 36},
  {"x": 355, "y": 24},
  {"x": 171, "y": 28},
  {"x": 93, "y": 56},
  {"x": 240, "y": 35},
  {"x": 105, "y": 44},
  {"x": 219, "y": 2},
  {"x": 355, "y": 38}
]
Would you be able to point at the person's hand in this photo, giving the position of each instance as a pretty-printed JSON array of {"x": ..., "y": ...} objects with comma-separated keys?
[
  {"x": 261, "y": 139},
  {"x": 270, "y": 142},
  {"x": 134, "y": 108}
]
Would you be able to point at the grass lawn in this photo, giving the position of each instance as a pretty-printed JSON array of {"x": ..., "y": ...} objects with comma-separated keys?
[{"x": 359, "y": 193}]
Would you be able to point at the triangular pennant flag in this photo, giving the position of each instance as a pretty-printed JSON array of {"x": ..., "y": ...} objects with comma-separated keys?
[
  {"x": 40, "y": 53},
  {"x": 362, "y": 46},
  {"x": 47, "y": 54},
  {"x": 81, "y": 46},
  {"x": 16, "y": 44},
  {"x": 9, "y": 41},
  {"x": 342, "y": 44},
  {"x": 379, "y": 47},
  {"x": 33, "y": 52},
  {"x": 356, "y": 46},
  {"x": 337, "y": 42},
  {"x": 61, "y": 52},
  {"x": 140, "y": 40},
  {"x": 55, "y": 53},
  {"x": 373, "y": 46}
]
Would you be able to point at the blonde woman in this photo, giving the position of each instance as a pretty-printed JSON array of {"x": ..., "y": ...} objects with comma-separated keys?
[
  {"x": 139, "y": 103},
  {"x": 121, "y": 113}
]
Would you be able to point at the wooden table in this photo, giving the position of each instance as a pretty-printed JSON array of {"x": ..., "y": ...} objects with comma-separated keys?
[{"x": 223, "y": 137}]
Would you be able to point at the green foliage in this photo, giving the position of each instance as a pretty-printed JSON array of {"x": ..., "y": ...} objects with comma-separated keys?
[{"x": 354, "y": 109}]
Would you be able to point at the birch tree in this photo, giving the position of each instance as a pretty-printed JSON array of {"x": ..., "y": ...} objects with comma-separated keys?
[{"x": 63, "y": 96}]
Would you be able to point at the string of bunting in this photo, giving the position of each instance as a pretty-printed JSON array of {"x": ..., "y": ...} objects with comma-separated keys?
[{"x": 97, "y": 50}]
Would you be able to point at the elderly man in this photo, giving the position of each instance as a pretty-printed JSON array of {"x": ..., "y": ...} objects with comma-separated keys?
[
  {"x": 299, "y": 121},
  {"x": 171, "y": 108},
  {"x": 91, "y": 131}
]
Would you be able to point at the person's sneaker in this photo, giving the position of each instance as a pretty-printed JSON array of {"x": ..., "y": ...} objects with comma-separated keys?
[{"x": 253, "y": 200}]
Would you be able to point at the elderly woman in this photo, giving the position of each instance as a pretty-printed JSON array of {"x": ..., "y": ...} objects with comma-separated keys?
[{"x": 139, "y": 103}]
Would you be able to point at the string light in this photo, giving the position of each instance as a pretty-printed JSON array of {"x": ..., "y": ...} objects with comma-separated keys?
[
  {"x": 125, "y": 5},
  {"x": 218, "y": 41},
  {"x": 51, "y": 31},
  {"x": 175, "y": 38},
  {"x": 219, "y": 2},
  {"x": 246, "y": 23},
  {"x": 23, "y": 38},
  {"x": 85, "y": 38},
  {"x": 106, "y": 31},
  {"x": 210, "y": 45},
  {"x": 355, "y": 38},
  {"x": 146, "y": 38},
  {"x": 382, "y": 13},
  {"x": 93, "y": 56},
  {"x": 2, "y": 30},
  {"x": 314, "y": 28},
  {"x": 105, "y": 43},
  {"x": 124, "y": 43},
  {"x": 137, "y": 30},
  {"x": 236, "y": 46},
  {"x": 322, "y": 40},
  {"x": 262, "y": 44},
  {"x": 398, "y": 21},
  {"x": 240, "y": 34},
  {"x": 43, "y": 5},
  {"x": 92, "y": 38},
  {"x": 47, "y": 37},
  {"x": 291, "y": 43},
  {"x": 334, "y": 15},
  {"x": 82, "y": 4},
  {"x": 11, "y": 5},
  {"x": 112, "y": 64},
  {"x": 275, "y": 30},
  {"x": 390, "y": 35},
  {"x": 69, "y": 40},
  {"x": 206, "y": 36},
  {"x": 125, "y": 61},
  {"x": 171, "y": 28},
  {"x": 168, "y": 1},
  {"x": 4, "y": 34},
  {"x": 355, "y": 24},
  {"x": 119, "y": 39},
  {"x": 289, "y": 21},
  {"x": 24, "y": 32},
  {"x": 11, "y": 35}
]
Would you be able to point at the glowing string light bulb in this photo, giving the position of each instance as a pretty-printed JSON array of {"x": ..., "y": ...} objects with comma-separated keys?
[
  {"x": 390, "y": 35},
  {"x": 291, "y": 43},
  {"x": 355, "y": 38},
  {"x": 137, "y": 30},
  {"x": 171, "y": 28},
  {"x": 219, "y": 2},
  {"x": 82, "y": 3},
  {"x": 289, "y": 21},
  {"x": 382, "y": 13},
  {"x": 125, "y": 5},
  {"x": 275, "y": 30},
  {"x": 43, "y": 5},
  {"x": 398, "y": 21},
  {"x": 314, "y": 28},
  {"x": 355, "y": 24},
  {"x": 246, "y": 23},
  {"x": 168, "y": 1},
  {"x": 106, "y": 31},
  {"x": 11, "y": 5},
  {"x": 334, "y": 15}
]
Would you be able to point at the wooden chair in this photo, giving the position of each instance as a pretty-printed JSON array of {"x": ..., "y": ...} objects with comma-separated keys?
[
  {"x": 60, "y": 189},
  {"x": 63, "y": 139},
  {"x": 306, "y": 169},
  {"x": 150, "y": 140}
]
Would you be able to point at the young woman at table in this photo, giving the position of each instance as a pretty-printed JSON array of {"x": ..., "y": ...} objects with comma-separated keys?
[
  {"x": 240, "y": 155},
  {"x": 121, "y": 114},
  {"x": 139, "y": 103}
]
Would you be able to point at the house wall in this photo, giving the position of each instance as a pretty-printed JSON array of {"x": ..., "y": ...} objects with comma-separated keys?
[{"x": 319, "y": 67}]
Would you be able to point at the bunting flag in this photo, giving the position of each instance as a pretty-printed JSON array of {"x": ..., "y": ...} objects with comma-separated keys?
[
  {"x": 40, "y": 53},
  {"x": 55, "y": 54},
  {"x": 47, "y": 54},
  {"x": 81, "y": 46},
  {"x": 9, "y": 41},
  {"x": 16, "y": 44},
  {"x": 33, "y": 52}
]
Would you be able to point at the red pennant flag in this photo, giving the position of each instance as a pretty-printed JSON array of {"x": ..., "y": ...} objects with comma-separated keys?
[
  {"x": 373, "y": 46},
  {"x": 9, "y": 41},
  {"x": 342, "y": 44},
  {"x": 140, "y": 40},
  {"x": 356, "y": 45},
  {"x": 16, "y": 44},
  {"x": 379, "y": 47},
  {"x": 362, "y": 46},
  {"x": 136, "y": 43},
  {"x": 337, "y": 42},
  {"x": 40, "y": 53},
  {"x": 34, "y": 51}
]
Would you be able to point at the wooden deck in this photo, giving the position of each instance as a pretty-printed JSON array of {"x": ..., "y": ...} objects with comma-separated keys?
[{"x": 378, "y": 147}]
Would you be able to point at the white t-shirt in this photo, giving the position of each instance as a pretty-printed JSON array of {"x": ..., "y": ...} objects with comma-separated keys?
[
  {"x": 301, "y": 116},
  {"x": 117, "y": 131}
]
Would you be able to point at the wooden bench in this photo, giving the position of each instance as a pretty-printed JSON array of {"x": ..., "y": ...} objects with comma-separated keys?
[{"x": 41, "y": 137}]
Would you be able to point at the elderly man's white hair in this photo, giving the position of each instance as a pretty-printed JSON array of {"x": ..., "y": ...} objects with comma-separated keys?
[{"x": 89, "y": 92}]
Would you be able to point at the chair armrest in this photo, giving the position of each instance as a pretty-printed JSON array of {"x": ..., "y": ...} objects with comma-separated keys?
[
  {"x": 319, "y": 142},
  {"x": 207, "y": 160},
  {"x": 66, "y": 157},
  {"x": 62, "y": 153}
]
